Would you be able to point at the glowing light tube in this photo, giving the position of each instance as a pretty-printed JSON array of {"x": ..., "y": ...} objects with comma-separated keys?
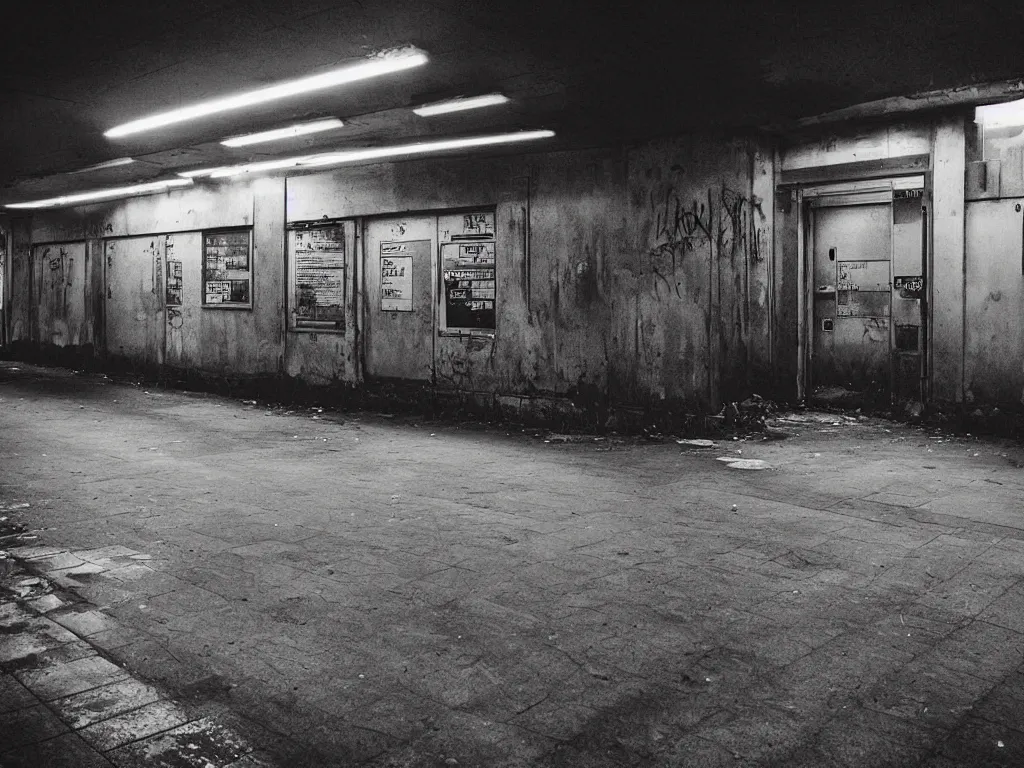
[
  {"x": 103, "y": 194},
  {"x": 460, "y": 104},
  {"x": 291, "y": 131},
  {"x": 376, "y": 153},
  {"x": 395, "y": 61}
]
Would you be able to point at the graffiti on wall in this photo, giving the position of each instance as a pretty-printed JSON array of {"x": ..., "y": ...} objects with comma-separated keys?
[{"x": 719, "y": 224}]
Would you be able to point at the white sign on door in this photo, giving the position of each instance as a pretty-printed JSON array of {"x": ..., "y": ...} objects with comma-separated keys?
[{"x": 395, "y": 278}]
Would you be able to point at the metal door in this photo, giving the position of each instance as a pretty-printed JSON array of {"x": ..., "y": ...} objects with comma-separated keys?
[
  {"x": 851, "y": 256},
  {"x": 398, "y": 307},
  {"x": 134, "y": 300},
  {"x": 994, "y": 344}
]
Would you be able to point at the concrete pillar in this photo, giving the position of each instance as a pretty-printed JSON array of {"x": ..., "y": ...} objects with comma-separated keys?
[{"x": 947, "y": 264}]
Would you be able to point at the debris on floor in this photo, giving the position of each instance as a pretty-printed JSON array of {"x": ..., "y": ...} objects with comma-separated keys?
[
  {"x": 735, "y": 462},
  {"x": 697, "y": 443}
]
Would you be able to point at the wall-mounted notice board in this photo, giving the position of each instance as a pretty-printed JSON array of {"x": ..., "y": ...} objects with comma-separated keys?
[
  {"x": 174, "y": 285},
  {"x": 227, "y": 268},
  {"x": 318, "y": 282},
  {"x": 468, "y": 272}
]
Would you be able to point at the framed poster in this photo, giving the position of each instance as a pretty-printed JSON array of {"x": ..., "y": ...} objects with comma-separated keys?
[
  {"x": 227, "y": 268},
  {"x": 318, "y": 268},
  {"x": 468, "y": 273}
]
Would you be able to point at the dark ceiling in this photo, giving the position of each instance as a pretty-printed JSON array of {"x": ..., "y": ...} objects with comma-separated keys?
[{"x": 595, "y": 73}]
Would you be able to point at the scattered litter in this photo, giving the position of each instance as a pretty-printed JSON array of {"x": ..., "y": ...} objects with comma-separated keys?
[
  {"x": 29, "y": 582},
  {"x": 737, "y": 463},
  {"x": 734, "y": 507},
  {"x": 1000, "y": 744},
  {"x": 141, "y": 557},
  {"x": 698, "y": 443}
]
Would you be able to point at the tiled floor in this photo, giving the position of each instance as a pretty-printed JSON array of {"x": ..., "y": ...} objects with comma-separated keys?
[{"x": 355, "y": 589}]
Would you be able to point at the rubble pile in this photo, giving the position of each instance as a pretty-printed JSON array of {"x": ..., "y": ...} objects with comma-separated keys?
[{"x": 750, "y": 414}]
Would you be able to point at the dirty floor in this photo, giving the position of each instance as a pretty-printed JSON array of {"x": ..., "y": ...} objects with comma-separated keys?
[{"x": 274, "y": 587}]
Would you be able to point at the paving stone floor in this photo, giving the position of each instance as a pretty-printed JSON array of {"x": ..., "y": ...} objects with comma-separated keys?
[{"x": 225, "y": 583}]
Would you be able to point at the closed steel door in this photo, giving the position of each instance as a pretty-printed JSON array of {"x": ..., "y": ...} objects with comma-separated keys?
[{"x": 852, "y": 253}]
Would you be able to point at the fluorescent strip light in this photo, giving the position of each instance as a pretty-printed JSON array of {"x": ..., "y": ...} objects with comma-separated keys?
[
  {"x": 101, "y": 166},
  {"x": 291, "y": 131},
  {"x": 104, "y": 194},
  {"x": 376, "y": 153},
  {"x": 394, "y": 61},
  {"x": 269, "y": 165},
  {"x": 1006, "y": 114},
  {"x": 195, "y": 174},
  {"x": 461, "y": 103}
]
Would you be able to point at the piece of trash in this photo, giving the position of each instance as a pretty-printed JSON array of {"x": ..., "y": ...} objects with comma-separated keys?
[
  {"x": 734, "y": 507},
  {"x": 1000, "y": 744},
  {"x": 737, "y": 463},
  {"x": 29, "y": 582},
  {"x": 699, "y": 443}
]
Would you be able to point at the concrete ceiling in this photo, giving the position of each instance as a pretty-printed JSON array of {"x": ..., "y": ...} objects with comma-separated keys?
[{"x": 595, "y": 73}]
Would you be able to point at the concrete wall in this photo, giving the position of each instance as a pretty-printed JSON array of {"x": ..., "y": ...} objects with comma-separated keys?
[
  {"x": 638, "y": 277},
  {"x": 947, "y": 268},
  {"x": 994, "y": 352}
]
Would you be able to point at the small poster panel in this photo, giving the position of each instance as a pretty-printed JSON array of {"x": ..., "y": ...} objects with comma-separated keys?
[
  {"x": 318, "y": 274},
  {"x": 227, "y": 272},
  {"x": 395, "y": 277}
]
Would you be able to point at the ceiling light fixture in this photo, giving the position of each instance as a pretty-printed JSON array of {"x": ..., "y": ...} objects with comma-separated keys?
[
  {"x": 104, "y": 194},
  {"x": 377, "y": 153},
  {"x": 198, "y": 172},
  {"x": 1006, "y": 114},
  {"x": 386, "y": 63},
  {"x": 102, "y": 166},
  {"x": 300, "y": 129},
  {"x": 460, "y": 104}
]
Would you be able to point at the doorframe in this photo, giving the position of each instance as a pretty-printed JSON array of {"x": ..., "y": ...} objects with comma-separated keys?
[{"x": 838, "y": 193}]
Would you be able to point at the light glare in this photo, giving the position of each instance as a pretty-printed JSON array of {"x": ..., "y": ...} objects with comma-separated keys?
[
  {"x": 291, "y": 131},
  {"x": 396, "y": 61},
  {"x": 103, "y": 166},
  {"x": 460, "y": 104},
  {"x": 376, "y": 153},
  {"x": 198, "y": 172},
  {"x": 103, "y": 194},
  {"x": 1007, "y": 114}
]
